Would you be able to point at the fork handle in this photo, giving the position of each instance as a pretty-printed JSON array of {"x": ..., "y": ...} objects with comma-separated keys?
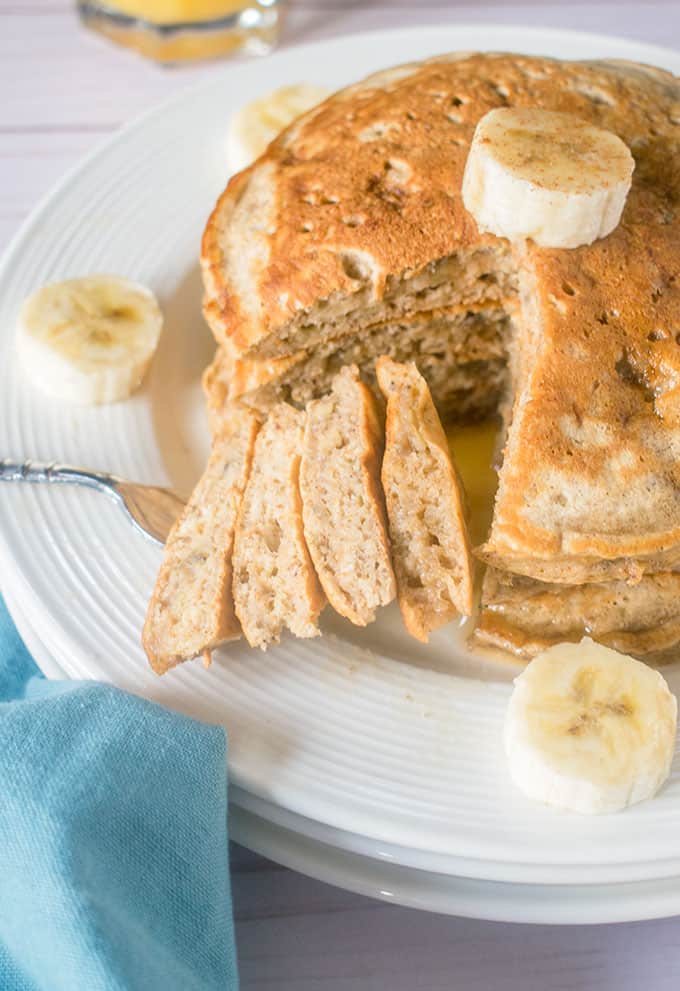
[{"x": 51, "y": 471}]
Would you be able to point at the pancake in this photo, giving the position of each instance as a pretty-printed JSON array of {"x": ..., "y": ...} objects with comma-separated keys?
[
  {"x": 524, "y": 617},
  {"x": 353, "y": 217}
]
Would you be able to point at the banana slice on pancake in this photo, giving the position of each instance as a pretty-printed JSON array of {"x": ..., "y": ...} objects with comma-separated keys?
[
  {"x": 589, "y": 730},
  {"x": 545, "y": 175}
]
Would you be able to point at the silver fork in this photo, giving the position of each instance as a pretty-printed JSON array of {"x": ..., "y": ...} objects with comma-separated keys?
[{"x": 151, "y": 509}]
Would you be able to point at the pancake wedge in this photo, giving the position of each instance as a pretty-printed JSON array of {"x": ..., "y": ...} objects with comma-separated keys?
[
  {"x": 430, "y": 546},
  {"x": 192, "y": 610},
  {"x": 275, "y": 585},
  {"x": 342, "y": 502}
]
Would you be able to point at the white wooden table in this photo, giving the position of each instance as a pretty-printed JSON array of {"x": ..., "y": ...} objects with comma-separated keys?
[{"x": 61, "y": 90}]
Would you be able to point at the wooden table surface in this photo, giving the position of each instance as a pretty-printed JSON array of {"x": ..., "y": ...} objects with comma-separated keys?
[{"x": 61, "y": 91}]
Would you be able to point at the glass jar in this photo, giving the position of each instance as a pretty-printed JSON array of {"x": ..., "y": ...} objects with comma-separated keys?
[{"x": 181, "y": 30}]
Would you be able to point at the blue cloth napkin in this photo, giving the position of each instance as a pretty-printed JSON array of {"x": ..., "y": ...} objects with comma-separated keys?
[{"x": 114, "y": 871}]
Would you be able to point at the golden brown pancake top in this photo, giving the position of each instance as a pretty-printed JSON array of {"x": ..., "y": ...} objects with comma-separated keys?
[{"x": 377, "y": 169}]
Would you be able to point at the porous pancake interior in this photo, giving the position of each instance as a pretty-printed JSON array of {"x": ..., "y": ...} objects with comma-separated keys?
[{"x": 461, "y": 354}]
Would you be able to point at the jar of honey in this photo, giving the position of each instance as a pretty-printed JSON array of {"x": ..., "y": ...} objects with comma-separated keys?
[{"x": 181, "y": 30}]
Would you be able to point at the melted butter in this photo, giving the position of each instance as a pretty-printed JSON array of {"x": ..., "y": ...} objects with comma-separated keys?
[{"x": 472, "y": 449}]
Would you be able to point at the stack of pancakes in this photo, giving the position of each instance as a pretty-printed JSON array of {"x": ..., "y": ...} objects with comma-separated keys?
[{"x": 348, "y": 240}]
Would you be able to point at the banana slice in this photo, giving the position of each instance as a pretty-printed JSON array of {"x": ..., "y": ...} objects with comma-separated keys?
[
  {"x": 89, "y": 340},
  {"x": 590, "y": 730},
  {"x": 255, "y": 125},
  {"x": 547, "y": 176}
]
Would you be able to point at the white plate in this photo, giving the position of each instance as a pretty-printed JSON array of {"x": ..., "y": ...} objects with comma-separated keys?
[
  {"x": 388, "y": 745},
  {"x": 291, "y": 844}
]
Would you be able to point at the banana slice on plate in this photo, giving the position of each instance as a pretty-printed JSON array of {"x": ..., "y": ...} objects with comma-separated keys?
[
  {"x": 256, "y": 124},
  {"x": 547, "y": 176},
  {"x": 589, "y": 730},
  {"x": 89, "y": 340}
]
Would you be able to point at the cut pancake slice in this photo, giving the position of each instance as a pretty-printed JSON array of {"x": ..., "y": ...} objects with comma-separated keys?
[
  {"x": 275, "y": 585},
  {"x": 191, "y": 609},
  {"x": 342, "y": 501},
  {"x": 524, "y": 617},
  {"x": 430, "y": 545}
]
